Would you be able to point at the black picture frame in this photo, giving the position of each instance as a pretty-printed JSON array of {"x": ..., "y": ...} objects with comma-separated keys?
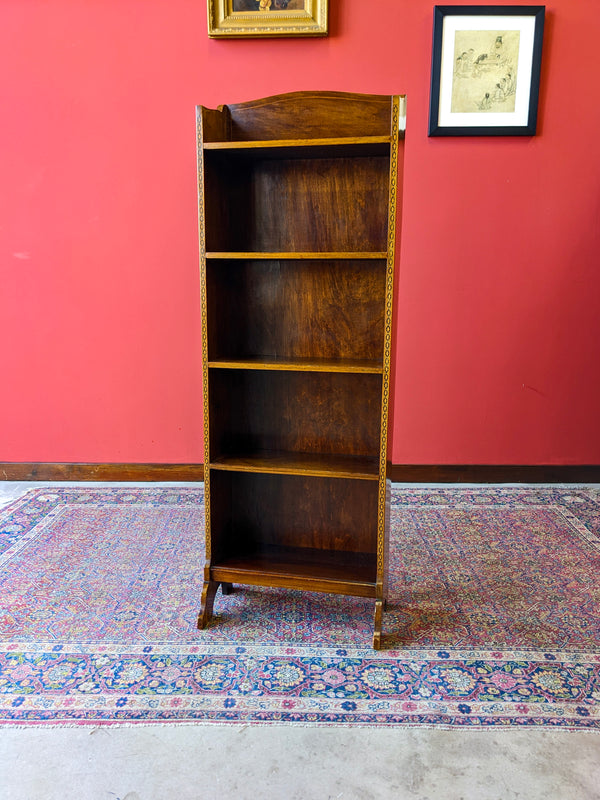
[{"x": 490, "y": 88}]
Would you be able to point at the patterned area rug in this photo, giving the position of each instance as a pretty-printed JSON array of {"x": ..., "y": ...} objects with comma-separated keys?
[{"x": 492, "y": 621}]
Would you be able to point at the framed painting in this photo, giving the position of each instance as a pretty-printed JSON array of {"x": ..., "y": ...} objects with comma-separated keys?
[
  {"x": 232, "y": 18},
  {"x": 485, "y": 70}
]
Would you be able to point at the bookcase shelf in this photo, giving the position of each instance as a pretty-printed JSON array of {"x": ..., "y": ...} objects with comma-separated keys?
[
  {"x": 297, "y": 209},
  {"x": 354, "y": 147},
  {"x": 298, "y": 255},
  {"x": 298, "y": 364},
  {"x": 305, "y": 568},
  {"x": 336, "y": 466}
]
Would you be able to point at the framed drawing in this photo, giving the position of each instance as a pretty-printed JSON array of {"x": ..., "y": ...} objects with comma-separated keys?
[
  {"x": 485, "y": 70},
  {"x": 232, "y": 18}
]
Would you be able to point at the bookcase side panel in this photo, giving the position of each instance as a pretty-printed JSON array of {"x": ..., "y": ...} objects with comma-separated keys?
[
  {"x": 202, "y": 117},
  {"x": 383, "y": 506}
]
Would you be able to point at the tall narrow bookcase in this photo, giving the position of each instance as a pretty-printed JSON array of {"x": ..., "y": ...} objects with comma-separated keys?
[{"x": 297, "y": 211}]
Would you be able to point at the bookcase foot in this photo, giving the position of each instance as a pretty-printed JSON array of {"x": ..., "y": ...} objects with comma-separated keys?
[
  {"x": 379, "y": 607},
  {"x": 209, "y": 590}
]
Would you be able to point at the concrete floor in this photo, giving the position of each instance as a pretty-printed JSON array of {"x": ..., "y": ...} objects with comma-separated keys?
[{"x": 191, "y": 762}]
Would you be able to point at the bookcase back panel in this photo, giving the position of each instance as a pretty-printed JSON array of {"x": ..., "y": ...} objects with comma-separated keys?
[
  {"x": 324, "y": 204},
  {"x": 296, "y": 412},
  {"x": 296, "y": 309},
  {"x": 253, "y": 512},
  {"x": 304, "y": 114}
]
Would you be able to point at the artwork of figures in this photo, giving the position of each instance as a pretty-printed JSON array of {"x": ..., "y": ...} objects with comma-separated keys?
[
  {"x": 486, "y": 66},
  {"x": 485, "y": 70}
]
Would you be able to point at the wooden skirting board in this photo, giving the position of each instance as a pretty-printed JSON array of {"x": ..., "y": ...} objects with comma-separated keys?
[
  {"x": 494, "y": 473},
  {"x": 100, "y": 472},
  {"x": 399, "y": 473}
]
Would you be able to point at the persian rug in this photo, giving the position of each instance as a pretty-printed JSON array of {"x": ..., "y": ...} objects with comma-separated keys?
[{"x": 492, "y": 620}]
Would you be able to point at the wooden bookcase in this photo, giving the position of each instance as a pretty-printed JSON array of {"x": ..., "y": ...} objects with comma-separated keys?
[{"x": 297, "y": 209}]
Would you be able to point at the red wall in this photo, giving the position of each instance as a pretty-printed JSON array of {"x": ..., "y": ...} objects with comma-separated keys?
[{"x": 499, "y": 265}]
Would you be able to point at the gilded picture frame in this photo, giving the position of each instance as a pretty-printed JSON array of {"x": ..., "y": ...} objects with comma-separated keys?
[
  {"x": 260, "y": 18},
  {"x": 485, "y": 70}
]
